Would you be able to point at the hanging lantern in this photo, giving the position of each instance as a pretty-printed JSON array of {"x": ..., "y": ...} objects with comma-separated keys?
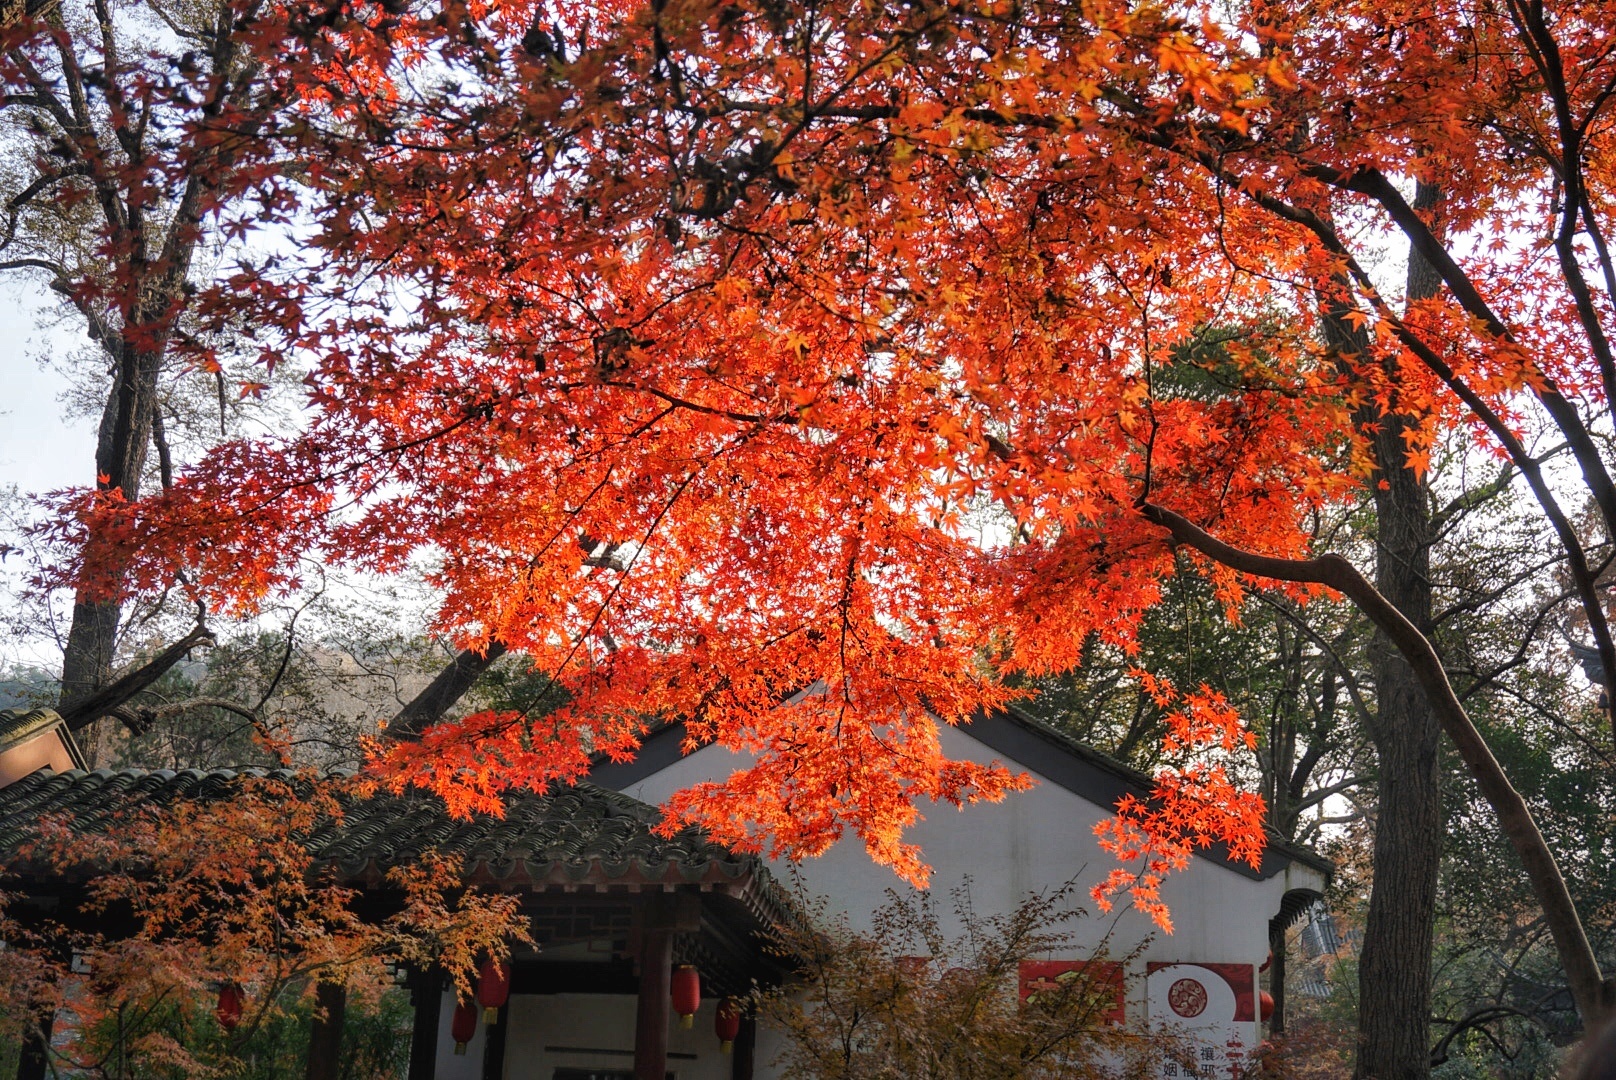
[
  {"x": 228, "y": 1010},
  {"x": 727, "y": 1024},
  {"x": 464, "y": 1026},
  {"x": 1265, "y": 1005},
  {"x": 493, "y": 988},
  {"x": 686, "y": 993}
]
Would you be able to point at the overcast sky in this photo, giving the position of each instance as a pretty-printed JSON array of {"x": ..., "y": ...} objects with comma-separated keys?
[{"x": 39, "y": 449}]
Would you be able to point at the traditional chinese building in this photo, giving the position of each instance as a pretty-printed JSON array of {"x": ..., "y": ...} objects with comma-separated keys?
[{"x": 616, "y": 909}]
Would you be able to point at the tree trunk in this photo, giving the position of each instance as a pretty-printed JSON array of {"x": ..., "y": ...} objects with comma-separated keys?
[
  {"x": 1594, "y": 994},
  {"x": 430, "y": 705},
  {"x": 120, "y": 459},
  {"x": 1394, "y": 968},
  {"x": 35, "y": 1062}
]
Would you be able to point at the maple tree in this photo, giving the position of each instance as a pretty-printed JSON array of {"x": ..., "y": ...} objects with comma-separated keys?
[
  {"x": 144, "y": 149},
  {"x": 711, "y": 351},
  {"x": 180, "y": 899}
]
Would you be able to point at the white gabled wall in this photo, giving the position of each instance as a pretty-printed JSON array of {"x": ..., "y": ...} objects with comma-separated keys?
[{"x": 1031, "y": 841}]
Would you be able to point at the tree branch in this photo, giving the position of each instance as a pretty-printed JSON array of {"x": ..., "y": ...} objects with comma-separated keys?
[
  {"x": 1593, "y": 995},
  {"x": 107, "y": 699},
  {"x": 427, "y": 707}
]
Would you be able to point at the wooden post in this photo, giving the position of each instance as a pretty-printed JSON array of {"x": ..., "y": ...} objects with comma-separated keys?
[
  {"x": 744, "y": 1050},
  {"x": 494, "y": 1045},
  {"x": 325, "y": 1034},
  {"x": 1276, "y": 981},
  {"x": 656, "y": 975},
  {"x": 35, "y": 1061},
  {"x": 426, "y": 994}
]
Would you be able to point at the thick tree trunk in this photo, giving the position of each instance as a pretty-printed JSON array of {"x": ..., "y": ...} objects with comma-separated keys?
[
  {"x": 1394, "y": 968},
  {"x": 35, "y": 1063},
  {"x": 430, "y": 705},
  {"x": 120, "y": 459},
  {"x": 1594, "y": 994}
]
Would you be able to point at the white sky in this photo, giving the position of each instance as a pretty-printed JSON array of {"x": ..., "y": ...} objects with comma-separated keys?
[{"x": 40, "y": 448}]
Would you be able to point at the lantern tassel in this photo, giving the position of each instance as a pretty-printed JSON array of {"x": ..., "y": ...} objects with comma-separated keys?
[
  {"x": 491, "y": 1015},
  {"x": 726, "y": 1046},
  {"x": 687, "y": 1020}
]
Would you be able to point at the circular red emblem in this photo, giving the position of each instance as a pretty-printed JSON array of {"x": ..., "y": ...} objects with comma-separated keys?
[{"x": 1187, "y": 998}]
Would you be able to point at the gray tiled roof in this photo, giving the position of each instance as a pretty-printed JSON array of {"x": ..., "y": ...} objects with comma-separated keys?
[{"x": 573, "y": 836}]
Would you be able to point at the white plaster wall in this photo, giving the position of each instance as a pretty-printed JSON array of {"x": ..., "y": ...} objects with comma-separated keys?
[
  {"x": 452, "y": 1066},
  {"x": 1032, "y": 841}
]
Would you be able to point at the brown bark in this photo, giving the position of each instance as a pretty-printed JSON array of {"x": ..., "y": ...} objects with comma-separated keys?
[
  {"x": 1394, "y": 967},
  {"x": 35, "y": 1063},
  {"x": 120, "y": 460},
  {"x": 152, "y": 241},
  {"x": 1276, "y": 979},
  {"x": 429, "y": 706},
  {"x": 104, "y": 701}
]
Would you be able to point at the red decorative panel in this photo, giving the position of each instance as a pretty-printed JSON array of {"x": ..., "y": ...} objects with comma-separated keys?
[
  {"x": 1242, "y": 979},
  {"x": 1040, "y": 975}
]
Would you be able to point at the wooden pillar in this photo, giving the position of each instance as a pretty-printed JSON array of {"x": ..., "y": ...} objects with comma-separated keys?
[
  {"x": 1276, "y": 981},
  {"x": 744, "y": 1050},
  {"x": 35, "y": 1061},
  {"x": 325, "y": 1033},
  {"x": 494, "y": 1045},
  {"x": 651, "y": 1017},
  {"x": 426, "y": 994}
]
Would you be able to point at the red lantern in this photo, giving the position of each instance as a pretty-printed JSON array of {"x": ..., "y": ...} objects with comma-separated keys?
[
  {"x": 1265, "y": 1005},
  {"x": 727, "y": 1024},
  {"x": 686, "y": 993},
  {"x": 464, "y": 1025},
  {"x": 493, "y": 988},
  {"x": 228, "y": 1010}
]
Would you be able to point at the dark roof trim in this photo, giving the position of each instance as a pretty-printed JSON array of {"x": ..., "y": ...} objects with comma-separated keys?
[
  {"x": 1041, "y": 749},
  {"x": 658, "y": 750},
  {"x": 1291, "y": 907}
]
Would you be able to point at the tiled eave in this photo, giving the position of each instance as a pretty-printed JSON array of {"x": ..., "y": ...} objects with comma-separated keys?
[{"x": 577, "y": 839}]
